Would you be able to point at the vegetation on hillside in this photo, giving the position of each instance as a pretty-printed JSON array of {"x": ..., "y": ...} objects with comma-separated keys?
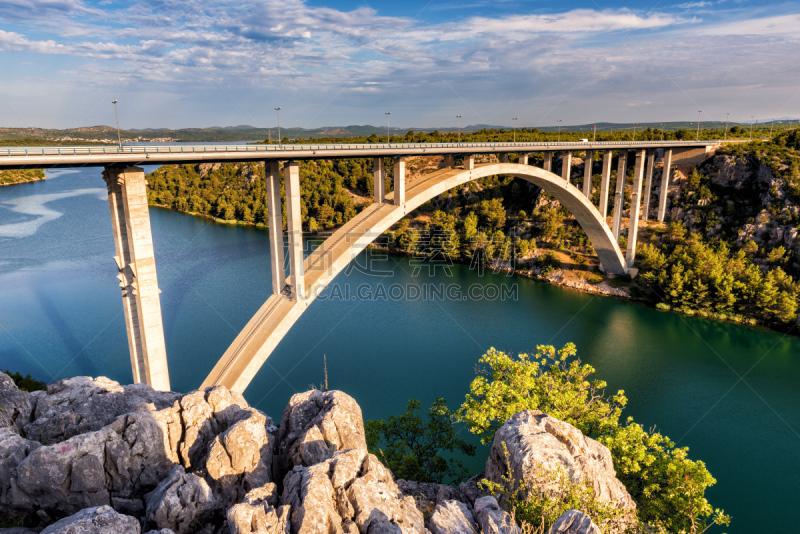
[
  {"x": 21, "y": 176},
  {"x": 26, "y": 383},
  {"x": 667, "y": 486}
]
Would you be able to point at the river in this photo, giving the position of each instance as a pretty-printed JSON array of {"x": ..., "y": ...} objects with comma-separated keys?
[{"x": 729, "y": 392}]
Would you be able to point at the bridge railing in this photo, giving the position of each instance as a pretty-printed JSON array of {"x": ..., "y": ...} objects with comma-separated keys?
[{"x": 212, "y": 149}]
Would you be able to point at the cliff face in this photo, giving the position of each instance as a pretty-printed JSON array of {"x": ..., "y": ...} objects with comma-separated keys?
[{"x": 92, "y": 456}]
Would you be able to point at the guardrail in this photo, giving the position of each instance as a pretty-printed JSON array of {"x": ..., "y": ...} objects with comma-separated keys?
[{"x": 220, "y": 149}]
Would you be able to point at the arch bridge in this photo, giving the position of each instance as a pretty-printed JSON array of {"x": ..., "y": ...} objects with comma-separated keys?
[{"x": 307, "y": 277}]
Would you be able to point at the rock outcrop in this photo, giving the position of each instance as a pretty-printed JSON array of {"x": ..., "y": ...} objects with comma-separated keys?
[
  {"x": 314, "y": 426},
  {"x": 574, "y": 522},
  {"x": 452, "y": 517},
  {"x": 539, "y": 445},
  {"x": 98, "y": 520},
  {"x": 492, "y": 518}
]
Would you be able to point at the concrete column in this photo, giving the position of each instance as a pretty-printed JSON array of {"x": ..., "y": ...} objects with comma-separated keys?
[
  {"x": 651, "y": 161},
  {"x": 399, "y": 181},
  {"x": 633, "y": 222},
  {"x": 619, "y": 195},
  {"x": 523, "y": 159},
  {"x": 469, "y": 162},
  {"x": 449, "y": 161},
  {"x": 548, "y": 161},
  {"x": 666, "y": 173},
  {"x": 566, "y": 165},
  {"x": 587, "y": 174},
  {"x": 503, "y": 158},
  {"x": 133, "y": 240},
  {"x": 273, "y": 175},
  {"x": 294, "y": 223},
  {"x": 379, "y": 179},
  {"x": 604, "y": 183}
]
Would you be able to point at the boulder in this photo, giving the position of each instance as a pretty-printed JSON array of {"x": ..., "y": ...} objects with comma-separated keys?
[
  {"x": 81, "y": 404},
  {"x": 257, "y": 513},
  {"x": 314, "y": 426},
  {"x": 13, "y": 450},
  {"x": 492, "y": 518},
  {"x": 452, "y": 517},
  {"x": 347, "y": 493},
  {"x": 97, "y": 520},
  {"x": 470, "y": 488},
  {"x": 183, "y": 502},
  {"x": 16, "y": 407},
  {"x": 539, "y": 445},
  {"x": 574, "y": 522}
]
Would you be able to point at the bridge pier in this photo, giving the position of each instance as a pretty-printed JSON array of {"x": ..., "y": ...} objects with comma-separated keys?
[
  {"x": 133, "y": 241},
  {"x": 294, "y": 223},
  {"x": 503, "y": 158},
  {"x": 449, "y": 161},
  {"x": 619, "y": 195},
  {"x": 548, "y": 161},
  {"x": 566, "y": 165},
  {"x": 665, "y": 176},
  {"x": 523, "y": 158},
  {"x": 587, "y": 174},
  {"x": 399, "y": 181},
  {"x": 633, "y": 221},
  {"x": 379, "y": 179},
  {"x": 605, "y": 180},
  {"x": 648, "y": 187},
  {"x": 275, "y": 222}
]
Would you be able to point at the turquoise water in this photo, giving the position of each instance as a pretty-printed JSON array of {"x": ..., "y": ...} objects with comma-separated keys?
[{"x": 61, "y": 315}]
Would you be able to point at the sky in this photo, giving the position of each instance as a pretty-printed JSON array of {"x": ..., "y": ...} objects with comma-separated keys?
[{"x": 200, "y": 63}]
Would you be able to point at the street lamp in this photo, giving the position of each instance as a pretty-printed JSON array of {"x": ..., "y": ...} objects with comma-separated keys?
[
  {"x": 278, "y": 111},
  {"x": 752, "y": 120},
  {"x": 698, "y": 125},
  {"x": 388, "y": 138},
  {"x": 771, "y": 124},
  {"x": 727, "y": 120},
  {"x": 559, "y": 121},
  {"x": 515, "y": 128},
  {"x": 119, "y": 139},
  {"x": 459, "y": 128},
  {"x": 594, "y": 138},
  {"x": 662, "y": 131},
  {"x": 634, "y": 131}
]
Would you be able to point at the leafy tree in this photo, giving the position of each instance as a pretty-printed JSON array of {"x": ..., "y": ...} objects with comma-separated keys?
[
  {"x": 412, "y": 447},
  {"x": 26, "y": 383},
  {"x": 668, "y": 487}
]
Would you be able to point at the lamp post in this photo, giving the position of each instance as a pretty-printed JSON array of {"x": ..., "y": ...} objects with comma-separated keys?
[
  {"x": 594, "y": 137},
  {"x": 459, "y": 128},
  {"x": 662, "y": 131},
  {"x": 559, "y": 121},
  {"x": 515, "y": 128},
  {"x": 119, "y": 139},
  {"x": 698, "y": 125},
  {"x": 752, "y": 120},
  {"x": 388, "y": 138},
  {"x": 727, "y": 120},
  {"x": 634, "y": 131},
  {"x": 771, "y": 124},
  {"x": 278, "y": 111}
]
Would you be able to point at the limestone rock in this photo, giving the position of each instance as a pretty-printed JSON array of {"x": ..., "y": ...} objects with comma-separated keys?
[
  {"x": 82, "y": 404},
  {"x": 16, "y": 407},
  {"x": 162, "y": 531},
  {"x": 258, "y": 515},
  {"x": 452, "y": 517},
  {"x": 182, "y": 502},
  {"x": 314, "y": 426},
  {"x": 574, "y": 522},
  {"x": 13, "y": 450},
  {"x": 538, "y": 443},
  {"x": 493, "y": 519},
  {"x": 470, "y": 488},
  {"x": 97, "y": 520}
]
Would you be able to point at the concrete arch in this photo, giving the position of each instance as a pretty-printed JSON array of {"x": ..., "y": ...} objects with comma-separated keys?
[{"x": 263, "y": 332}]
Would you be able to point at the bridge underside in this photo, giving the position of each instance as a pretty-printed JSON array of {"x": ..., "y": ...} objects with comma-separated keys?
[{"x": 258, "y": 339}]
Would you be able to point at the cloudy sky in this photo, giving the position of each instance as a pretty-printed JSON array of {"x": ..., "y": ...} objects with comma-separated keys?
[{"x": 173, "y": 63}]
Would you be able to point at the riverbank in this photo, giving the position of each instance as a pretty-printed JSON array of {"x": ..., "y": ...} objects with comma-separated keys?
[{"x": 21, "y": 176}]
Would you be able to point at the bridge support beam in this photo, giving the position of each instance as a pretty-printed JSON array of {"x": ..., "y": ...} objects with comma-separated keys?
[
  {"x": 548, "y": 161},
  {"x": 566, "y": 165},
  {"x": 605, "y": 180},
  {"x": 619, "y": 195},
  {"x": 666, "y": 173},
  {"x": 294, "y": 224},
  {"x": 469, "y": 162},
  {"x": 523, "y": 158},
  {"x": 449, "y": 161},
  {"x": 273, "y": 175},
  {"x": 587, "y": 174},
  {"x": 133, "y": 241},
  {"x": 648, "y": 185},
  {"x": 399, "y": 181},
  {"x": 633, "y": 221},
  {"x": 379, "y": 179},
  {"x": 503, "y": 158}
]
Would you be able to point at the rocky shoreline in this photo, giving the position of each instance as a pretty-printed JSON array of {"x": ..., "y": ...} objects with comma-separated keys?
[{"x": 93, "y": 456}]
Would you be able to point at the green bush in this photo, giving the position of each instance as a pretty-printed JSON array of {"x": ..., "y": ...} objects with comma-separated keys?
[{"x": 26, "y": 383}]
